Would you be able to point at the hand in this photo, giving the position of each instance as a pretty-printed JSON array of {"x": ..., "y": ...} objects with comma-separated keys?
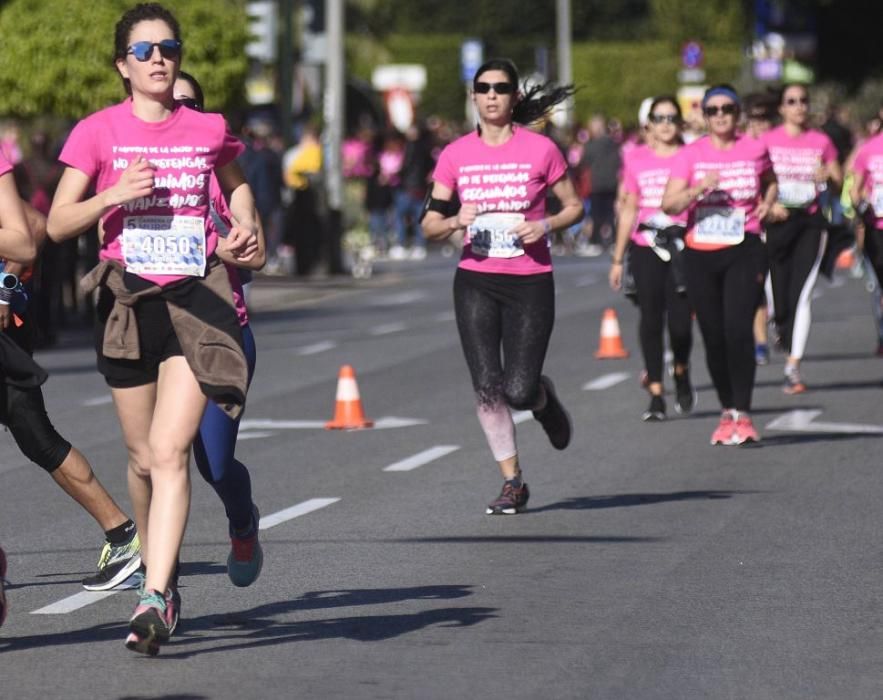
[
  {"x": 777, "y": 212},
  {"x": 709, "y": 182},
  {"x": 135, "y": 182},
  {"x": 241, "y": 244},
  {"x": 821, "y": 175},
  {"x": 5, "y": 316},
  {"x": 615, "y": 277},
  {"x": 529, "y": 231},
  {"x": 466, "y": 215},
  {"x": 763, "y": 212}
]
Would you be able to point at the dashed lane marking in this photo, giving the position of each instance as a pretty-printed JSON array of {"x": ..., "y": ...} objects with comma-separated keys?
[
  {"x": 605, "y": 381},
  {"x": 316, "y": 348},
  {"x": 279, "y": 517},
  {"x": 421, "y": 458}
]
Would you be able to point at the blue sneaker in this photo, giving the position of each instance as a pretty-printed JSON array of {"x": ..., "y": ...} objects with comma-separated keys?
[
  {"x": 246, "y": 556},
  {"x": 762, "y": 354}
]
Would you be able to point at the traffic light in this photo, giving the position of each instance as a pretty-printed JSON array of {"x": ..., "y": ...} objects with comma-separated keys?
[{"x": 262, "y": 25}]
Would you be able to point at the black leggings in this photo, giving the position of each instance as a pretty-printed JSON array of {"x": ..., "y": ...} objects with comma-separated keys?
[
  {"x": 725, "y": 287},
  {"x": 795, "y": 252},
  {"x": 657, "y": 300},
  {"x": 24, "y": 413},
  {"x": 515, "y": 312}
]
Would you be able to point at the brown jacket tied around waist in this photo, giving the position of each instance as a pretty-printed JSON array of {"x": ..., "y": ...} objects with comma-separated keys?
[{"x": 204, "y": 319}]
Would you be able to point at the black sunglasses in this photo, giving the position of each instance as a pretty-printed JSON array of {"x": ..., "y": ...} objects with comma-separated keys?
[
  {"x": 664, "y": 119},
  {"x": 712, "y": 110},
  {"x": 143, "y": 50},
  {"x": 190, "y": 102},
  {"x": 797, "y": 100},
  {"x": 499, "y": 88}
]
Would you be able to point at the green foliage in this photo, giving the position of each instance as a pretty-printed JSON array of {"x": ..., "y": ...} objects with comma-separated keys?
[
  {"x": 708, "y": 21},
  {"x": 613, "y": 77},
  {"x": 56, "y": 55}
]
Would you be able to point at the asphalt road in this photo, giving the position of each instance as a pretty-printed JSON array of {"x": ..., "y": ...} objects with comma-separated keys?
[{"x": 649, "y": 564}]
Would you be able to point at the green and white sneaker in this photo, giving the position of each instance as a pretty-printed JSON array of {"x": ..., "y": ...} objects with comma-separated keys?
[{"x": 115, "y": 565}]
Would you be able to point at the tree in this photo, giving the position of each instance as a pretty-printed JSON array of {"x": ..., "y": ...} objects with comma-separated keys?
[
  {"x": 709, "y": 21},
  {"x": 56, "y": 56}
]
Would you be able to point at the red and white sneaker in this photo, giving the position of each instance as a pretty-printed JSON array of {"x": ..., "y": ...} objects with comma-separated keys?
[
  {"x": 744, "y": 431},
  {"x": 723, "y": 433}
]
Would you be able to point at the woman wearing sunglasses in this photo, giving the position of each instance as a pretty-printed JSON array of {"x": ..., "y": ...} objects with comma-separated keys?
[
  {"x": 504, "y": 294},
  {"x": 805, "y": 163},
  {"x": 654, "y": 240},
  {"x": 167, "y": 335},
  {"x": 725, "y": 183}
]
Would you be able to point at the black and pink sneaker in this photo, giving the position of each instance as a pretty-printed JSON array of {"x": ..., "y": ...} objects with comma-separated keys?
[
  {"x": 149, "y": 626},
  {"x": 512, "y": 499}
]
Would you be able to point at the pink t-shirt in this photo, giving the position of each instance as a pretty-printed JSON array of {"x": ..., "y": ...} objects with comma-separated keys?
[
  {"x": 722, "y": 217},
  {"x": 5, "y": 165},
  {"x": 223, "y": 211},
  {"x": 645, "y": 174},
  {"x": 167, "y": 230},
  {"x": 508, "y": 183},
  {"x": 795, "y": 160},
  {"x": 869, "y": 165}
]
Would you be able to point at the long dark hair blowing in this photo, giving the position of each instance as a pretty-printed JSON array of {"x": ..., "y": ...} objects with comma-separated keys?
[
  {"x": 139, "y": 13},
  {"x": 536, "y": 101}
]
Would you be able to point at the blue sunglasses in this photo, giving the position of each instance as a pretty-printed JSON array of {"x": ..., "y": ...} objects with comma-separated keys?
[{"x": 143, "y": 50}]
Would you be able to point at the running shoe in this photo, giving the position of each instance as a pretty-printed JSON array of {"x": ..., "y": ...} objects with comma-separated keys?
[
  {"x": 2, "y": 584},
  {"x": 246, "y": 557},
  {"x": 115, "y": 564},
  {"x": 554, "y": 418},
  {"x": 793, "y": 384},
  {"x": 686, "y": 395},
  {"x": 762, "y": 354},
  {"x": 744, "y": 431},
  {"x": 149, "y": 624},
  {"x": 656, "y": 410},
  {"x": 723, "y": 433},
  {"x": 173, "y": 605},
  {"x": 510, "y": 501}
]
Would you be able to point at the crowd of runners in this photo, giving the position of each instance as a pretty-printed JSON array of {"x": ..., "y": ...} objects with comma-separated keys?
[{"x": 733, "y": 224}]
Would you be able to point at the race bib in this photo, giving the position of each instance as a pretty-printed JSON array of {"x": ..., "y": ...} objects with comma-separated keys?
[
  {"x": 164, "y": 245},
  {"x": 490, "y": 235},
  {"x": 719, "y": 225},
  {"x": 793, "y": 193},
  {"x": 877, "y": 200}
]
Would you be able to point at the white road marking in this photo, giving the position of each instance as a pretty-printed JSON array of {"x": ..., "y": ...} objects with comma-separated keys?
[
  {"x": 98, "y": 401},
  {"x": 605, "y": 381},
  {"x": 253, "y": 435},
  {"x": 260, "y": 424},
  {"x": 421, "y": 458},
  {"x": 274, "y": 519},
  {"x": 84, "y": 598},
  {"x": 444, "y": 316},
  {"x": 316, "y": 348},
  {"x": 803, "y": 421},
  {"x": 399, "y": 299},
  {"x": 74, "y": 602},
  {"x": 387, "y": 328}
]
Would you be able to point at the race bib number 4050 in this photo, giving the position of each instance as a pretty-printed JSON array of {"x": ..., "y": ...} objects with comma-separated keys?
[
  {"x": 490, "y": 235},
  {"x": 164, "y": 245},
  {"x": 719, "y": 225}
]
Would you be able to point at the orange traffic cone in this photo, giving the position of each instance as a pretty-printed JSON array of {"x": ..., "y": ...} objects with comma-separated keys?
[
  {"x": 348, "y": 413},
  {"x": 610, "y": 347}
]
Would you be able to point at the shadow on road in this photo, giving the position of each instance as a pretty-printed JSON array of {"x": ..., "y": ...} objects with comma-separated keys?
[
  {"x": 262, "y": 625},
  {"x": 627, "y": 500}
]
